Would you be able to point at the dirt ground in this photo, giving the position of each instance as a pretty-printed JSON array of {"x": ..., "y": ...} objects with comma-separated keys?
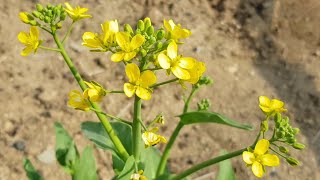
[{"x": 251, "y": 48}]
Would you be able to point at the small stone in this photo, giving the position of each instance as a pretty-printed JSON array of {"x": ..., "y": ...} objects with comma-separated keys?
[
  {"x": 233, "y": 69},
  {"x": 47, "y": 156},
  {"x": 9, "y": 128},
  {"x": 19, "y": 145}
]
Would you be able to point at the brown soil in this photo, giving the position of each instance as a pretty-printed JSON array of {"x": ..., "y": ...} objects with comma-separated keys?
[{"x": 251, "y": 48}]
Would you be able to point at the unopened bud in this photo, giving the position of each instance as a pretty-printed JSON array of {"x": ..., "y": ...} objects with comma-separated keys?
[
  {"x": 292, "y": 161},
  {"x": 143, "y": 52},
  {"x": 160, "y": 34},
  {"x": 140, "y": 25},
  {"x": 159, "y": 45},
  {"x": 299, "y": 146},
  {"x": 291, "y": 140},
  {"x": 39, "y": 7},
  {"x": 295, "y": 130},
  {"x": 63, "y": 16},
  {"x": 59, "y": 25},
  {"x": 283, "y": 149},
  {"x": 33, "y": 23},
  {"x": 147, "y": 22},
  {"x": 150, "y": 30},
  {"x": 128, "y": 28},
  {"x": 152, "y": 40}
]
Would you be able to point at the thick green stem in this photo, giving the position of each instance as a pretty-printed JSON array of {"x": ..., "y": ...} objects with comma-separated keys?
[
  {"x": 207, "y": 163},
  {"x": 167, "y": 150},
  {"x": 103, "y": 119},
  {"x": 136, "y": 128}
]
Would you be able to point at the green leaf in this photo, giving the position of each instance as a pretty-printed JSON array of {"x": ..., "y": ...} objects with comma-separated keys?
[
  {"x": 97, "y": 134},
  {"x": 150, "y": 159},
  {"x": 128, "y": 169},
  {"x": 31, "y": 172},
  {"x": 66, "y": 151},
  {"x": 210, "y": 117},
  {"x": 225, "y": 170},
  {"x": 85, "y": 168}
]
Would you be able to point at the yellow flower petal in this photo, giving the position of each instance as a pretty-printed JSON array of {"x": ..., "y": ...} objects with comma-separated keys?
[
  {"x": 23, "y": 37},
  {"x": 264, "y": 101},
  {"x": 91, "y": 40},
  {"x": 24, "y": 17},
  {"x": 143, "y": 93},
  {"x": 248, "y": 157},
  {"x": 270, "y": 160},
  {"x": 276, "y": 104},
  {"x": 164, "y": 61},
  {"x": 34, "y": 33},
  {"x": 186, "y": 62},
  {"x": 117, "y": 57},
  {"x": 123, "y": 40},
  {"x": 136, "y": 41},
  {"x": 172, "y": 50},
  {"x": 69, "y": 7},
  {"x": 261, "y": 147},
  {"x": 257, "y": 169},
  {"x": 180, "y": 73},
  {"x": 169, "y": 25},
  {"x": 133, "y": 72},
  {"x": 129, "y": 89},
  {"x": 77, "y": 101},
  {"x": 26, "y": 51},
  {"x": 147, "y": 78},
  {"x": 128, "y": 56}
]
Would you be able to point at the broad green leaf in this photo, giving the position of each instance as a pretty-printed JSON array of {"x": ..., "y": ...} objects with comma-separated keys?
[
  {"x": 225, "y": 170},
  {"x": 128, "y": 169},
  {"x": 66, "y": 151},
  {"x": 85, "y": 168},
  {"x": 210, "y": 117},
  {"x": 150, "y": 159},
  {"x": 117, "y": 164},
  {"x": 31, "y": 172},
  {"x": 97, "y": 134}
]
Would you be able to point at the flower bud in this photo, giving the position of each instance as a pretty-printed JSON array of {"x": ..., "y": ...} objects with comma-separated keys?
[
  {"x": 60, "y": 7},
  {"x": 36, "y": 14},
  {"x": 47, "y": 19},
  {"x": 147, "y": 22},
  {"x": 292, "y": 161},
  {"x": 63, "y": 16},
  {"x": 49, "y": 6},
  {"x": 59, "y": 25},
  {"x": 295, "y": 130},
  {"x": 39, "y": 7},
  {"x": 291, "y": 140},
  {"x": 283, "y": 149},
  {"x": 152, "y": 40},
  {"x": 33, "y": 22},
  {"x": 140, "y": 25},
  {"x": 280, "y": 134},
  {"x": 264, "y": 126},
  {"x": 159, "y": 45},
  {"x": 160, "y": 34},
  {"x": 128, "y": 28},
  {"x": 299, "y": 146},
  {"x": 150, "y": 30},
  {"x": 143, "y": 52}
]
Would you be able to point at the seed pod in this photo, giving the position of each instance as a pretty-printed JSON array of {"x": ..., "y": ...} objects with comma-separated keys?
[
  {"x": 39, "y": 7},
  {"x": 299, "y": 146},
  {"x": 140, "y": 25},
  {"x": 292, "y": 161},
  {"x": 283, "y": 149}
]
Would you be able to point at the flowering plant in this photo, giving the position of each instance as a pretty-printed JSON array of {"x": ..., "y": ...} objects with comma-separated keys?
[{"x": 144, "y": 52}]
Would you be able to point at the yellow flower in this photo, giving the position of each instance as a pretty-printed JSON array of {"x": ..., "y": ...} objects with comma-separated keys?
[
  {"x": 270, "y": 107},
  {"x": 175, "y": 31},
  {"x": 178, "y": 65},
  {"x": 95, "y": 92},
  {"x": 105, "y": 40},
  {"x": 150, "y": 138},
  {"x": 25, "y": 17},
  {"x": 31, "y": 41},
  {"x": 139, "y": 84},
  {"x": 138, "y": 176},
  {"x": 77, "y": 101},
  {"x": 76, "y": 13},
  {"x": 128, "y": 45},
  {"x": 196, "y": 72},
  {"x": 260, "y": 158}
]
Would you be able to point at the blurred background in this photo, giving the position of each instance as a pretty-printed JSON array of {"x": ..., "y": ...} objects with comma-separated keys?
[{"x": 251, "y": 48}]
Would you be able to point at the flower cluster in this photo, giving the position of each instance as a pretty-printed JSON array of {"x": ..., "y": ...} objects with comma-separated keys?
[{"x": 283, "y": 133}]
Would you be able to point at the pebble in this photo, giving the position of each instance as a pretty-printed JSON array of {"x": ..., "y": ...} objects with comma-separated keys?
[
  {"x": 19, "y": 145},
  {"x": 9, "y": 127},
  {"x": 47, "y": 156}
]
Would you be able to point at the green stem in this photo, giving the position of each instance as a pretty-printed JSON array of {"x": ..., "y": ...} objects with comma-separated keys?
[
  {"x": 207, "y": 163},
  {"x": 165, "y": 82},
  {"x": 113, "y": 117},
  {"x": 68, "y": 32},
  {"x": 115, "y": 92},
  {"x": 50, "y": 49},
  {"x": 136, "y": 128},
  {"x": 167, "y": 150},
  {"x": 186, "y": 105},
  {"x": 103, "y": 119},
  {"x": 152, "y": 69}
]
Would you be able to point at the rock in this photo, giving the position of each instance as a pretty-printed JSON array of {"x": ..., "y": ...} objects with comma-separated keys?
[
  {"x": 47, "y": 156},
  {"x": 9, "y": 128},
  {"x": 19, "y": 145}
]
